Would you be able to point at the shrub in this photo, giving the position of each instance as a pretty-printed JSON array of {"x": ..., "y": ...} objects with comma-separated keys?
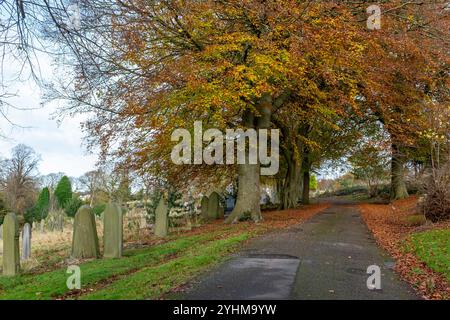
[
  {"x": 99, "y": 208},
  {"x": 72, "y": 206},
  {"x": 436, "y": 201},
  {"x": 42, "y": 205}
]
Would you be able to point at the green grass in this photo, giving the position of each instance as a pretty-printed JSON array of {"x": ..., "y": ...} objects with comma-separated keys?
[
  {"x": 433, "y": 248},
  {"x": 188, "y": 251},
  {"x": 152, "y": 282}
]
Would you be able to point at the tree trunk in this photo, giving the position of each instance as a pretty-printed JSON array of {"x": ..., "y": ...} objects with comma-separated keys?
[
  {"x": 398, "y": 185},
  {"x": 248, "y": 196},
  {"x": 280, "y": 192},
  {"x": 306, "y": 168},
  {"x": 292, "y": 184}
]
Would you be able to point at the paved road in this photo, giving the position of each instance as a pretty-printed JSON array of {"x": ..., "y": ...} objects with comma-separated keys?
[{"x": 325, "y": 258}]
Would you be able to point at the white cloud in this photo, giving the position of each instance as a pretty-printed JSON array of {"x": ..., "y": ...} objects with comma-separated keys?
[{"x": 59, "y": 146}]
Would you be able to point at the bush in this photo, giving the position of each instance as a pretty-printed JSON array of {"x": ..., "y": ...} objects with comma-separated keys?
[
  {"x": 42, "y": 205},
  {"x": 350, "y": 190},
  {"x": 436, "y": 201},
  {"x": 98, "y": 209},
  {"x": 72, "y": 206},
  {"x": 29, "y": 215}
]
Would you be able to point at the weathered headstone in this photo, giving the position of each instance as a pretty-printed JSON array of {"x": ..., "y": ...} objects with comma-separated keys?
[
  {"x": 11, "y": 255},
  {"x": 162, "y": 218},
  {"x": 85, "y": 238},
  {"x": 204, "y": 207},
  {"x": 214, "y": 206},
  {"x": 26, "y": 241},
  {"x": 113, "y": 231}
]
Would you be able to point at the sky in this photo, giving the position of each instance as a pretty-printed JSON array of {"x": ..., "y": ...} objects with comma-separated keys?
[{"x": 60, "y": 145}]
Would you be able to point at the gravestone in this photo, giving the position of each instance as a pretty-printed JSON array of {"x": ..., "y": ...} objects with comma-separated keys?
[
  {"x": 162, "y": 218},
  {"x": 11, "y": 255},
  {"x": 204, "y": 207},
  {"x": 85, "y": 238},
  {"x": 113, "y": 231},
  {"x": 214, "y": 206},
  {"x": 26, "y": 241}
]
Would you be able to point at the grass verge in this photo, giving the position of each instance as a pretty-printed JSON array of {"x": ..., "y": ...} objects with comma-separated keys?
[
  {"x": 152, "y": 282},
  {"x": 433, "y": 248},
  {"x": 52, "y": 284}
]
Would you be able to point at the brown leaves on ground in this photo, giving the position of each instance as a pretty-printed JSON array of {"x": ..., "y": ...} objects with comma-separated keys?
[{"x": 387, "y": 222}]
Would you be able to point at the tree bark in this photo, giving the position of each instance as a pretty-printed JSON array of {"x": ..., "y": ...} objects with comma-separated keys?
[
  {"x": 248, "y": 196},
  {"x": 306, "y": 168},
  {"x": 398, "y": 185},
  {"x": 292, "y": 184}
]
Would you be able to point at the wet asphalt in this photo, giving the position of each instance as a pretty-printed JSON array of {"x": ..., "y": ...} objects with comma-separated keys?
[{"x": 326, "y": 257}]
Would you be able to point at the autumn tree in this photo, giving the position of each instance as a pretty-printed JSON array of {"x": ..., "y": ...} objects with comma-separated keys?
[
  {"x": 369, "y": 163},
  {"x": 145, "y": 68},
  {"x": 231, "y": 64},
  {"x": 406, "y": 57}
]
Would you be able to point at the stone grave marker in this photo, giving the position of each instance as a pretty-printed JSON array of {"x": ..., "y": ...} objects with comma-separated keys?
[{"x": 85, "y": 238}]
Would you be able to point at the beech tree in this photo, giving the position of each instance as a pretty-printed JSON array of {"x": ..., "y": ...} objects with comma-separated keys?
[{"x": 142, "y": 69}]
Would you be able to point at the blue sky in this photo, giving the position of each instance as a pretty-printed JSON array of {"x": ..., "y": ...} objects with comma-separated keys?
[{"x": 60, "y": 145}]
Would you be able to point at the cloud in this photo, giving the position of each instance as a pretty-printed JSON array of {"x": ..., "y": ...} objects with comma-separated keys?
[{"x": 60, "y": 146}]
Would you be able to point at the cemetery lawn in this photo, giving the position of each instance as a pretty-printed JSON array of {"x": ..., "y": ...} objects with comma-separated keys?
[{"x": 151, "y": 272}]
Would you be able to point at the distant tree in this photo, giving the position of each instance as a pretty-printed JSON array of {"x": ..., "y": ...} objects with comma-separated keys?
[
  {"x": 51, "y": 180},
  {"x": 3, "y": 210},
  {"x": 313, "y": 183},
  {"x": 369, "y": 164},
  {"x": 91, "y": 182},
  {"x": 346, "y": 181},
  {"x": 18, "y": 179},
  {"x": 42, "y": 206},
  {"x": 63, "y": 192}
]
